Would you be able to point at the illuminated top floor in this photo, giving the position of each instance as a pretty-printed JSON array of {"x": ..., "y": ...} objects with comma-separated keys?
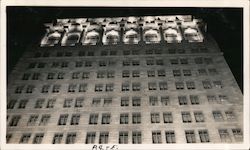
[{"x": 127, "y": 30}]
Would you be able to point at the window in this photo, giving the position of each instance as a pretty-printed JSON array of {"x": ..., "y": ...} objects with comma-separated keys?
[
  {"x": 136, "y": 137},
  {"x": 230, "y": 115},
  {"x": 136, "y": 86},
  {"x": 184, "y": 61},
  {"x": 202, "y": 72},
  {"x": 181, "y": 51},
  {"x": 224, "y": 135},
  {"x": 174, "y": 61},
  {"x": 152, "y": 86},
  {"x": 217, "y": 84},
  {"x": 124, "y": 118},
  {"x": 136, "y": 101},
  {"x": 37, "y": 54},
  {"x": 155, "y": 118},
  {"x": 99, "y": 87},
  {"x": 159, "y": 62},
  {"x": 88, "y": 63},
  {"x": 182, "y": 100},
  {"x": 136, "y": 118},
  {"x": 55, "y": 64},
  {"x": 90, "y": 138},
  {"x": 107, "y": 102},
  {"x": 78, "y": 63},
  {"x": 44, "y": 120},
  {"x": 125, "y": 101},
  {"x": 179, "y": 85},
  {"x": 104, "y": 53},
  {"x": 64, "y": 64},
  {"x": 56, "y": 88},
  {"x": 212, "y": 71},
  {"x": 186, "y": 117},
  {"x": 75, "y": 119},
  {"x": 35, "y": 76},
  {"x": 91, "y": 53},
  {"x": 50, "y": 76},
  {"x": 149, "y": 51},
  {"x": 136, "y": 73},
  {"x": 25, "y": 138},
  {"x": 208, "y": 60},
  {"x": 45, "y": 88},
  {"x": 83, "y": 87},
  {"x": 72, "y": 88},
  {"x": 126, "y": 63},
  {"x": 85, "y": 75},
  {"x": 125, "y": 73},
  {"x": 93, "y": 118},
  {"x": 165, "y": 100},
  {"x": 153, "y": 100},
  {"x": 23, "y": 103},
  {"x": 67, "y": 103},
  {"x": 96, "y": 102},
  {"x": 190, "y": 85},
  {"x": 112, "y": 53},
  {"x": 8, "y": 137},
  {"x": 163, "y": 85},
  {"x": 212, "y": 99},
  {"x": 238, "y": 135},
  {"x": 75, "y": 75},
  {"x": 125, "y": 86},
  {"x": 79, "y": 102},
  {"x": 217, "y": 116},
  {"x": 176, "y": 73},
  {"x": 151, "y": 73},
  {"x": 187, "y": 72},
  {"x": 19, "y": 89},
  {"x": 14, "y": 121},
  {"x": 105, "y": 118},
  {"x": 38, "y": 138},
  {"x": 32, "y": 120},
  {"x": 206, "y": 84},
  {"x": 150, "y": 62},
  {"x": 32, "y": 65},
  {"x": 109, "y": 87},
  {"x": 199, "y": 117},
  {"x": 63, "y": 119},
  {"x": 71, "y": 137},
  {"x": 60, "y": 75},
  {"x": 135, "y": 62},
  {"x": 190, "y": 136},
  {"x": 170, "y": 137},
  {"x": 100, "y": 74},
  {"x": 110, "y": 74},
  {"x": 57, "y": 138},
  {"x": 126, "y": 52},
  {"x": 11, "y": 104},
  {"x": 156, "y": 137},
  {"x": 158, "y": 51},
  {"x": 171, "y": 51},
  {"x": 51, "y": 103},
  {"x": 30, "y": 88},
  {"x": 81, "y": 53},
  {"x": 123, "y": 137},
  {"x": 204, "y": 137},
  {"x": 222, "y": 98},
  {"x": 198, "y": 60},
  {"x": 194, "y": 100},
  {"x": 167, "y": 117},
  {"x": 103, "y": 139},
  {"x": 161, "y": 73},
  {"x": 26, "y": 76},
  {"x": 102, "y": 63},
  {"x": 59, "y": 54},
  {"x": 41, "y": 65}
]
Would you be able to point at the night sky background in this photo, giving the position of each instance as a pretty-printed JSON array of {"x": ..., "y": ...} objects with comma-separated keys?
[{"x": 25, "y": 27}]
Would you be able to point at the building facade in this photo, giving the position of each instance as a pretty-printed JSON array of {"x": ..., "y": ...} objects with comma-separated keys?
[{"x": 127, "y": 80}]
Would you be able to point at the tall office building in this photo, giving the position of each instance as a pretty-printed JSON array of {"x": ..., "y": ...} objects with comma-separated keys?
[{"x": 127, "y": 80}]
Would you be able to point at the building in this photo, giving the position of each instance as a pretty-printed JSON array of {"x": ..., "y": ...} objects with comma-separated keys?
[{"x": 135, "y": 80}]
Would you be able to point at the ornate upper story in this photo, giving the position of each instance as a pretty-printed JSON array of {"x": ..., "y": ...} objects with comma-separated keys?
[{"x": 127, "y": 30}]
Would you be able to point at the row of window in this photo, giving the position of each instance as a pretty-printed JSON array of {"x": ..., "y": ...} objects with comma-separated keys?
[
  {"x": 124, "y": 118},
  {"x": 111, "y": 74},
  {"x": 104, "y": 63},
  {"x": 124, "y": 52},
  {"x": 135, "y": 86},
  {"x": 136, "y": 137},
  {"x": 125, "y": 101}
]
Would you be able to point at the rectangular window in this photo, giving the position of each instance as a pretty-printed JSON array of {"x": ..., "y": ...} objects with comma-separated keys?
[
  {"x": 100, "y": 74},
  {"x": 176, "y": 73},
  {"x": 149, "y": 51},
  {"x": 156, "y": 137},
  {"x": 123, "y": 137},
  {"x": 135, "y": 62},
  {"x": 208, "y": 60},
  {"x": 155, "y": 118},
  {"x": 125, "y": 74},
  {"x": 158, "y": 51},
  {"x": 60, "y": 75},
  {"x": 190, "y": 136},
  {"x": 103, "y": 139},
  {"x": 44, "y": 120},
  {"x": 41, "y": 65},
  {"x": 67, "y": 103},
  {"x": 15, "y": 119},
  {"x": 112, "y": 53},
  {"x": 81, "y": 53},
  {"x": 59, "y": 54},
  {"x": 163, "y": 85},
  {"x": 57, "y": 138},
  {"x": 99, "y": 87},
  {"x": 194, "y": 99},
  {"x": 75, "y": 75},
  {"x": 26, "y": 76},
  {"x": 32, "y": 65},
  {"x": 51, "y": 103},
  {"x": 150, "y": 62},
  {"x": 88, "y": 63},
  {"x": 104, "y": 53},
  {"x": 85, "y": 75},
  {"x": 71, "y": 137},
  {"x": 202, "y": 72},
  {"x": 32, "y": 120},
  {"x": 109, "y": 87},
  {"x": 224, "y": 135},
  {"x": 124, "y": 101},
  {"x": 217, "y": 84},
  {"x": 152, "y": 86},
  {"x": 212, "y": 71},
  {"x": 45, "y": 88},
  {"x": 190, "y": 85},
  {"x": 187, "y": 72},
  {"x": 167, "y": 117},
  {"x": 25, "y": 138},
  {"x": 105, "y": 118},
  {"x": 83, "y": 87},
  {"x": 38, "y": 138},
  {"x": 182, "y": 100},
  {"x": 204, "y": 137},
  {"x": 199, "y": 117},
  {"x": 30, "y": 88},
  {"x": 126, "y": 63},
  {"x": 75, "y": 119},
  {"x": 90, "y": 138},
  {"x": 110, "y": 74},
  {"x": 161, "y": 73},
  {"x": 56, "y": 88},
  {"x": 125, "y": 86},
  {"x": 181, "y": 51},
  {"x": 184, "y": 61},
  {"x": 198, "y": 60},
  {"x": 93, "y": 118},
  {"x": 96, "y": 102},
  {"x": 79, "y": 102},
  {"x": 63, "y": 119},
  {"x": 230, "y": 115},
  {"x": 72, "y": 88},
  {"x": 50, "y": 76},
  {"x": 136, "y": 101},
  {"x": 179, "y": 85},
  {"x": 136, "y": 118},
  {"x": 136, "y": 86},
  {"x": 174, "y": 61},
  {"x": 151, "y": 73},
  {"x": 170, "y": 137},
  {"x": 23, "y": 103},
  {"x": 78, "y": 64},
  {"x": 153, "y": 100},
  {"x": 159, "y": 62},
  {"x": 222, "y": 98},
  {"x": 102, "y": 63},
  {"x": 165, "y": 100},
  {"x": 136, "y": 137},
  {"x": 107, "y": 102},
  {"x": 8, "y": 137},
  {"x": 11, "y": 104},
  {"x": 64, "y": 64},
  {"x": 218, "y": 116},
  {"x": 171, "y": 51},
  {"x": 124, "y": 118},
  {"x": 91, "y": 53},
  {"x": 19, "y": 89},
  {"x": 238, "y": 135},
  {"x": 212, "y": 99},
  {"x": 136, "y": 73},
  {"x": 36, "y": 76},
  {"x": 186, "y": 117},
  {"x": 206, "y": 84},
  {"x": 55, "y": 64}
]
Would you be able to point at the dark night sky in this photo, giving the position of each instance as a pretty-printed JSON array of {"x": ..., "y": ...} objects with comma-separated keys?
[{"x": 25, "y": 26}]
